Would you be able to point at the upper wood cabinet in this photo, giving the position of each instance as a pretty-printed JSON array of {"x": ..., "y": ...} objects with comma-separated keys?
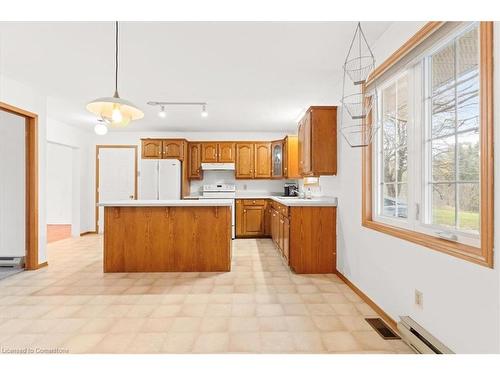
[
  {"x": 221, "y": 152},
  {"x": 173, "y": 149},
  {"x": 209, "y": 152},
  {"x": 244, "y": 160},
  {"x": 253, "y": 160},
  {"x": 194, "y": 157},
  {"x": 317, "y": 143},
  {"x": 163, "y": 148},
  {"x": 291, "y": 157},
  {"x": 277, "y": 162},
  {"x": 262, "y": 163},
  {"x": 226, "y": 152},
  {"x": 151, "y": 149}
]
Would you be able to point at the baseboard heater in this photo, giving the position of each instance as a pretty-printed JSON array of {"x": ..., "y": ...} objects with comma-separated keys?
[
  {"x": 12, "y": 262},
  {"x": 419, "y": 338}
]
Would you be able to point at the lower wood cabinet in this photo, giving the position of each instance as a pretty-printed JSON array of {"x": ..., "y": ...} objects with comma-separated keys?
[
  {"x": 305, "y": 236},
  {"x": 250, "y": 217}
]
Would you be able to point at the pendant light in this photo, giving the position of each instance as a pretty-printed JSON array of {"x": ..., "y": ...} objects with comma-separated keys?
[{"x": 115, "y": 111}]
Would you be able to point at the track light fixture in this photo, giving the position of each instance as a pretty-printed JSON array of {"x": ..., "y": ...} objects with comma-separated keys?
[{"x": 162, "y": 105}]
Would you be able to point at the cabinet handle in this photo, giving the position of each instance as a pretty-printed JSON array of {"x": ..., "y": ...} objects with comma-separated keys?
[{"x": 244, "y": 210}]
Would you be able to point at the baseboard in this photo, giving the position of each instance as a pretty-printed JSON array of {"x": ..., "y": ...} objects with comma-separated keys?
[
  {"x": 369, "y": 302},
  {"x": 41, "y": 265},
  {"x": 88, "y": 232}
]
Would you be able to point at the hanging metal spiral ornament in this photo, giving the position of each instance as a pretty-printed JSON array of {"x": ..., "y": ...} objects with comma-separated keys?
[{"x": 357, "y": 125}]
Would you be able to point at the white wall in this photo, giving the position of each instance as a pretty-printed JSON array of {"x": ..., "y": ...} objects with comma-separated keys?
[
  {"x": 12, "y": 185},
  {"x": 59, "y": 184},
  {"x": 461, "y": 299},
  {"x": 25, "y": 97}
]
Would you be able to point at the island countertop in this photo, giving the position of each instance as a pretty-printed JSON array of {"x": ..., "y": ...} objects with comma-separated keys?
[{"x": 168, "y": 203}]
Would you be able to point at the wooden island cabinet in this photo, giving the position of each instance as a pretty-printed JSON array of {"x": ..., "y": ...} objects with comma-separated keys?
[{"x": 167, "y": 236}]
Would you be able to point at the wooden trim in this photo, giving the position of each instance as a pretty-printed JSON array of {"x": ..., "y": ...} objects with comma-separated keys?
[
  {"x": 414, "y": 41},
  {"x": 87, "y": 232},
  {"x": 369, "y": 302},
  {"x": 484, "y": 254},
  {"x": 31, "y": 219},
  {"x": 97, "y": 148},
  {"x": 41, "y": 265},
  {"x": 487, "y": 141}
]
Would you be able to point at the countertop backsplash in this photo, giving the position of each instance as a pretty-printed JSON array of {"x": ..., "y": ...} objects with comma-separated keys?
[{"x": 215, "y": 177}]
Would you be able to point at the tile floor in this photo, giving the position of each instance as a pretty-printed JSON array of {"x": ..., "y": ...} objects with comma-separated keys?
[{"x": 259, "y": 307}]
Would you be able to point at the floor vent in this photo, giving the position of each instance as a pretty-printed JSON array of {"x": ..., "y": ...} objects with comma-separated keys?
[{"x": 382, "y": 329}]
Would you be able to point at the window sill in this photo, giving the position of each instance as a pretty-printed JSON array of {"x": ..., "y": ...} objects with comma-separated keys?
[{"x": 462, "y": 251}]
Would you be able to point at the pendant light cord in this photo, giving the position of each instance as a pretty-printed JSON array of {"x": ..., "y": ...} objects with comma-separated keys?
[{"x": 116, "y": 58}]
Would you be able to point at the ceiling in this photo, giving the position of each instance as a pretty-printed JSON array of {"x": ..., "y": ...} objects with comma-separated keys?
[{"x": 255, "y": 76}]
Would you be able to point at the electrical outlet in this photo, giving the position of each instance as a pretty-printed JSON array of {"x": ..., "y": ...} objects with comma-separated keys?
[{"x": 419, "y": 298}]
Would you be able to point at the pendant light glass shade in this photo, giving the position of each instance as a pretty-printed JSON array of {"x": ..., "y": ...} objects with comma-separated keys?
[{"x": 115, "y": 111}]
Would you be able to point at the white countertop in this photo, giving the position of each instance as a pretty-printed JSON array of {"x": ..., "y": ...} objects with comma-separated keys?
[
  {"x": 287, "y": 201},
  {"x": 302, "y": 202},
  {"x": 168, "y": 203}
]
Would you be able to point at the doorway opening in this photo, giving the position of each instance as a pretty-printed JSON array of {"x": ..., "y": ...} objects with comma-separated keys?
[
  {"x": 19, "y": 193},
  {"x": 62, "y": 192}
]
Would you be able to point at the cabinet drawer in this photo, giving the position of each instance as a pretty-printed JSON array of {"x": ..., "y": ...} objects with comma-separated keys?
[{"x": 254, "y": 202}]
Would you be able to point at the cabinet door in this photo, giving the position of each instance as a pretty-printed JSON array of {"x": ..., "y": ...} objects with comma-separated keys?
[
  {"x": 268, "y": 220},
  {"x": 151, "y": 149},
  {"x": 253, "y": 220},
  {"x": 291, "y": 157},
  {"x": 262, "y": 162},
  {"x": 277, "y": 153},
  {"x": 195, "y": 172},
  {"x": 244, "y": 160},
  {"x": 301, "y": 147},
  {"x": 280, "y": 233},
  {"x": 173, "y": 149},
  {"x": 306, "y": 147},
  {"x": 226, "y": 152},
  {"x": 286, "y": 239},
  {"x": 209, "y": 152},
  {"x": 274, "y": 226}
]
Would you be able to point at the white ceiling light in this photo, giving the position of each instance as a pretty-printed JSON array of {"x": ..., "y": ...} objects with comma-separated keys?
[
  {"x": 101, "y": 128},
  {"x": 204, "y": 112},
  {"x": 162, "y": 112},
  {"x": 114, "y": 110}
]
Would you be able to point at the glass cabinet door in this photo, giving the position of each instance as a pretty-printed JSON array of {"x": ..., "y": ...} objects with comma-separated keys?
[{"x": 277, "y": 153}]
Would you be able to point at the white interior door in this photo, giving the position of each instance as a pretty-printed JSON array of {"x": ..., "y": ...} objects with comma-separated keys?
[
  {"x": 117, "y": 172},
  {"x": 12, "y": 185}
]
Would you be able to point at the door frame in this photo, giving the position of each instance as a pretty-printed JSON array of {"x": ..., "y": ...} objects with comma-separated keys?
[
  {"x": 31, "y": 187},
  {"x": 97, "y": 149}
]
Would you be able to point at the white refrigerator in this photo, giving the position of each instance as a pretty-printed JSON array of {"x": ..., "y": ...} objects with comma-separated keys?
[{"x": 160, "y": 179}]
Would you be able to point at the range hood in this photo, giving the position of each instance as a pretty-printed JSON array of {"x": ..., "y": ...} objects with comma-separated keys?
[{"x": 217, "y": 166}]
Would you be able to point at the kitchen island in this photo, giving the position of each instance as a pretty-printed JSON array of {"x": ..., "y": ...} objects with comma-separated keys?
[{"x": 167, "y": 235}]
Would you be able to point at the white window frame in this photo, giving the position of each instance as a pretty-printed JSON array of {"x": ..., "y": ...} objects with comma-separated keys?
[{"x": 419, "y": 206}]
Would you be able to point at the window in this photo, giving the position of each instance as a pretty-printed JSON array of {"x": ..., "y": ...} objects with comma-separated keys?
[{"x": 428, "y": 174}]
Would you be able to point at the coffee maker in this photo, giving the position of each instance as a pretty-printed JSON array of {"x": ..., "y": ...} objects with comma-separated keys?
[{"x": 291, "y": 189}]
